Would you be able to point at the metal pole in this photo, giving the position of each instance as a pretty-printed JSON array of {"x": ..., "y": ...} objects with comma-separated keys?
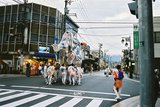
[
  {"x": 23, "y": 34},
  {"x": 146, "y": 53},
  {"x": 65, "y": 15},
  {"x": 130, "y": 59}
]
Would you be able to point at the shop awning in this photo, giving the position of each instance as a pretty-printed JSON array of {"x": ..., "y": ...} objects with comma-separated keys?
[{"x": 49, "y": 55}]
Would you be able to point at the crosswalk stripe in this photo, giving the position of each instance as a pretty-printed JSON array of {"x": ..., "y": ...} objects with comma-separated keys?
[
  {"x": 12, "y": 96},
  {"x": 48, "y": 102},
  {"x": 94, "y": 103},
  {"x": 72, "y": 102},
  {"x": 7, "y": 92},
  {"x": 19, "y": 102}
]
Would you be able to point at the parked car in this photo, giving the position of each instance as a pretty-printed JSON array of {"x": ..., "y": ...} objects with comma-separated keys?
[{"x": 107, "y": 72}]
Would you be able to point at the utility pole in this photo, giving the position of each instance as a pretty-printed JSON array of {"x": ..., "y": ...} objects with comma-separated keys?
[
  {"x": 23, "y": 31},
  {"x": 65, "y": 15},
  {"x": 146, "y": 53},
  {"x": 100, "y": 46}
]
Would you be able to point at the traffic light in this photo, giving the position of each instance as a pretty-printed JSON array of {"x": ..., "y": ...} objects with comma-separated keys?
[{"x": 133, "y": 6}]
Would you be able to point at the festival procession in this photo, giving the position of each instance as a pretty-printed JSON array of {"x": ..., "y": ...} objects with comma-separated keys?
[{"x": 65, "y": 67}]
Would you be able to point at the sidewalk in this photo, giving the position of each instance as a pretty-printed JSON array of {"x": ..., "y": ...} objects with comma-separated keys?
[{"x": 133, "y": 102}]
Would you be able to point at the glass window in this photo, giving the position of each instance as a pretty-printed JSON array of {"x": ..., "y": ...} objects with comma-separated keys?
[
  {"x": 5, "y": 39},
  {"x": 43, "y": 29},
  {"x": 50, "y": 39},
  {"x": 35, "y": 16},
  {"x": 35, "y": 27},
  {"x": 52, "y": 20},
  {"x": 7, "y": 18},
  {"x": 1, "y": 28},
  {"x": 44, "y": 18},
  {"x": 157, "y": 37},
  {"x": 45, "y": 9},
  {"x": 36, "y": 8},
  {"x": 51, "y": 30},
  {"x": 6, "y": 28},
  {"x": 14, "y": 17},
  {"x": 42, "y": 38},
  {"x": 1, "y": 18},
  {"x": 34, "y": 37},
  {"x": 0, "y": 37},
  {"x": 14, "y": 9},
  {"x": 20, "y": 16},
  {"x": 52, "y": 12},
  {"x": 8, "y": 10},
  {"x": 2, "y": 10}
]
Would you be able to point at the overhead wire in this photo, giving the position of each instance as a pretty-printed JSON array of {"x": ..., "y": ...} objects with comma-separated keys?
[
  {"x": 86, "y": 17},
  {"x": 83, "y": 15}
]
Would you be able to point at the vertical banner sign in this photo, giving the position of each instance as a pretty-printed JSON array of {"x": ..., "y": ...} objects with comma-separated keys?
[{"x": 136, "y": 37}]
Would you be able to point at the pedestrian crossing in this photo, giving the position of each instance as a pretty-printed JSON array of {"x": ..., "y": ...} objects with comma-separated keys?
[{"x": 14, "y": 98}]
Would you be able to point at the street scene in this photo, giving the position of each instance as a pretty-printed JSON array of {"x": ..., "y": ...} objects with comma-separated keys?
[
  {"x": 79, "y": 53},
  {"x": 96, "y": 90}
]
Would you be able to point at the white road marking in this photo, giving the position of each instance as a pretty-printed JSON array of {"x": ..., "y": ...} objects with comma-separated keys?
[
  {"x": 81, "y": 91},
  {"x": 94, "y": 103},
  {"x": 71, "y": 102},
  {"x": 108, "y": 99},
  {"x": 12, "y": 96},
  {"x": 23, "y": 101},
  {"x": 2, "y": 85},
  {"x": 48, "y": 102},
  {"x": 8, "y": 92}
]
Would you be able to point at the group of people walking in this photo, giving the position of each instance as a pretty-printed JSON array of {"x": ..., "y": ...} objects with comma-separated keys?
[{"x": 51, "y": 72}]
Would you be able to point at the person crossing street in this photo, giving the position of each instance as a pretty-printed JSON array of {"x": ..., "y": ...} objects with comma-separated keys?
[{"x": 118, "y": 77}]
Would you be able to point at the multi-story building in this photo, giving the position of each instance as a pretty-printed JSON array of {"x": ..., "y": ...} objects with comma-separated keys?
[
  {"x": 28, "y": 27},
  {"x": 156, "y": 38}
]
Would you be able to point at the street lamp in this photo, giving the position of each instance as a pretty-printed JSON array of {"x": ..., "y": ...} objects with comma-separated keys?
[{"x": 127, "y": 40}]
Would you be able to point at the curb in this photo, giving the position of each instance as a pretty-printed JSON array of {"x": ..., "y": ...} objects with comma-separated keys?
[
  {"x": 130, "y": 102},
  {"x": 11, "y": 75}
]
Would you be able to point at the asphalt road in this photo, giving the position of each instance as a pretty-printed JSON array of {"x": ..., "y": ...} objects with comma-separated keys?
[{"x": 96, "y": 90}]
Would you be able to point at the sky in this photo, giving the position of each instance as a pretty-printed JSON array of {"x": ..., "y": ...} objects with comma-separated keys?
[{"x": 113, "y": 21}]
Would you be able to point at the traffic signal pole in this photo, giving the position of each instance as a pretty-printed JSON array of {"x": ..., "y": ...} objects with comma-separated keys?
[{"x": 146, "y": 53}]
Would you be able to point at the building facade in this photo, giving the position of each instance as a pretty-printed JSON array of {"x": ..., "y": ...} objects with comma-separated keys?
[
  {"x": 156, "y": 38},
  {"x": 25, "y": 28}
]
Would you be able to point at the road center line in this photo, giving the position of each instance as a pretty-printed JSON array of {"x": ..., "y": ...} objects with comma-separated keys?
[{"x": 81, "y": 91}]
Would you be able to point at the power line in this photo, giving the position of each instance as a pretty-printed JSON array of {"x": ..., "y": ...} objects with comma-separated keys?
[
  {"x": 18, "y": 1},
  {"x": 109, "y": 27},
  {"x": 106, "y": 22},
  {"x": 105, "y": 35}
]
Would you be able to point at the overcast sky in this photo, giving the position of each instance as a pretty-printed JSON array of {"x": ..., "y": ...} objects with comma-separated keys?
[{"x": 109, "y": 34}]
